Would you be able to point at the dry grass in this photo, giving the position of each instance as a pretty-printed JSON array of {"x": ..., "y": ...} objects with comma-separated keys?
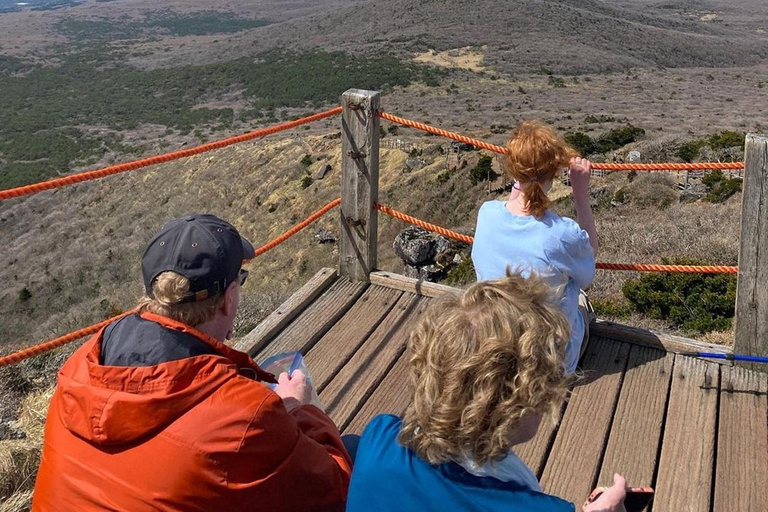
[
  {"x": 19, "y": 459},
  {"x": 459, "y": 58},
  {"x": 19, "y": 502}
]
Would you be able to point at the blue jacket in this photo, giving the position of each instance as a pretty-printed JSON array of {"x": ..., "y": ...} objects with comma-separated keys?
[{"x": 387, "y": 477}]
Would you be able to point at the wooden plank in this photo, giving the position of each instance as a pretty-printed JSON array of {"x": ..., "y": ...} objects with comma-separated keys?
[
  {"x": 391, "y": 396},
  {"x": 751, "y": 294},
  {"x": 684, "y": 479},
  {"x": 255, "y": 340},
  {"x": 408, "y": 284},
  {"x": 633, "y": 444},
  {"x": 535, "y": 452},
  {"x": 348, "y": 391},
  {"x": 659, "y": 341},
  {"x": 359, "y": 183},
  {"x": 742, "y": 442},
  {"x": 572, "y": 466},
  {"x": 316, "y": 319},
  {"x": 343, "y": 339}
]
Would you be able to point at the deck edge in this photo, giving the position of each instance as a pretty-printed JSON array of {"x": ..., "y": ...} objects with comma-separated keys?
[
  {"x": 408, "y": 284},
  {"x": 661, "y": 341},
  {"x": 268, "y": 328}
]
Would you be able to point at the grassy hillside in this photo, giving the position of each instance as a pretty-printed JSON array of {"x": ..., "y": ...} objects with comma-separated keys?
[{"x": 561, "y": 36}]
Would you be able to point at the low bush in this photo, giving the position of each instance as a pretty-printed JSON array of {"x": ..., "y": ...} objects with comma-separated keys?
[
  {"x": 695, "y": 302},
  {"x": 483, "y": 170},
  {"x": 609, "y": 141},
  {"x": 611, "y": 308},
  {"x": 462, "y": 274},
  {"x": 720, "y": 188}
]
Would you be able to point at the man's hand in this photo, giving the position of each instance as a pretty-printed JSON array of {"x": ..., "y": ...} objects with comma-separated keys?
[
  {"x": 294, "y": 390},
  {"x": 612, "y": 500},
  {"x": 580, "y": 169}
]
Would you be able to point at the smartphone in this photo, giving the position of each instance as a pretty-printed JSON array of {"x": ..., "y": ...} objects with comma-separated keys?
[{"x": 638, "y": 498}]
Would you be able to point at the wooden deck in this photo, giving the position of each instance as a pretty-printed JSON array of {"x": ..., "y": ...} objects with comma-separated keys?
[{"x": 694, "y": 430}]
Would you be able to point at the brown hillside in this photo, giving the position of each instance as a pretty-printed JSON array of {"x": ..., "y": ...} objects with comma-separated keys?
[{"x": 563, "y": 36}]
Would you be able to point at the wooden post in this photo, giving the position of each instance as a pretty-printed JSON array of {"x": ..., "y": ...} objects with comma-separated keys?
[
  {"x": 359, "y": 184},
  {"x": 752, "y": 291}
]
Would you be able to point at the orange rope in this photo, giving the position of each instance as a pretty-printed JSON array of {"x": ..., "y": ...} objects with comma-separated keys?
[
  {"x": 645, "y": 267},
  {"x": 443, "y": 133},
  {"x": 595, "y": 165},
  {"x": 426, "y": 225},
  {"x": 56, "y": 343},
  {"x": 167, "y": 157},
  {"x": 298, "y": 227},
  {"x": 63, "y": 340},
  {"x": 695, "y": 166},
  {"x": 640, "y": 267}
]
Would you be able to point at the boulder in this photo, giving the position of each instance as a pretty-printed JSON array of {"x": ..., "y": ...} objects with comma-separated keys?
[
  {"x": 693, "y": 192},
  {"x": 432, "y": 273},
  {"x": 323, "y": 236},
  {"x": 411, "y": 271},
  {"x": 8, "y": 432},
  {"x": 415, "y": 246},
  {"x": 414, "y": 163},
  {"x": 320, "y": 174}
]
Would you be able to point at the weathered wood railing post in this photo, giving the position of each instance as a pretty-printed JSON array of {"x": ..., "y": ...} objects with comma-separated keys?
[
  {"x": 359, "y": 184},
  {"x": 752, "y": 291}
]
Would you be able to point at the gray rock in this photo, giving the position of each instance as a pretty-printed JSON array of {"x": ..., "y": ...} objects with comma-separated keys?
[
  {"x": 457, "y": 259},
  {"x": 414, "y": 163},
  {"x": 411, "y": 271},
  {"x": 431, "y": 273},
  {"x": 596, "y": 196},
  {"x": 415, "y": 246},
  {"x": 323, "y": 236},
  {"x": 693, "y": 192},
  {"x": 8, "y": 432},
  {"x": 320, "y": 174}
]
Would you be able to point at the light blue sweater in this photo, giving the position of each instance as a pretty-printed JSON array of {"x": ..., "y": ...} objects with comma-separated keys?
[{"x": 554, "y": 247}]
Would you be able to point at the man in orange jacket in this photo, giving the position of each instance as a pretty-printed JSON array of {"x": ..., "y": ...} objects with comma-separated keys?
[{"x": 156, "y": 413}]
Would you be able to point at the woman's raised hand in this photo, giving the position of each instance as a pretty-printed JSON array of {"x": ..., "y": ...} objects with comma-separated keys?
[{"x": 580, "y": 170}]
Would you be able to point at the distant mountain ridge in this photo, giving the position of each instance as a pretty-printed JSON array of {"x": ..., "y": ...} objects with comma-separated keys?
[{"x": 562, "y": 36}]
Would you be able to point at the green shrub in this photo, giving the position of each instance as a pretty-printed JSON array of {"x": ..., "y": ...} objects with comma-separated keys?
[
  {"x": 556, "y": 82},
  {"x": 581, "y": 142},
  {"x": 695, "y": 302},
  {"x": 483, "y": 170},
  {"x": 306, "y": 181},
  {"x": 719, "y": 187},
  {"x": 611, "y": 308},
  {"x": 609, "y": 141},
  {"x": 618, "y": 138},
  {"x": 726, "y": 139},
  {"x": 631, "y": 175},
  {"x": 24, "y": 294},
  {"x": 690, "y": 150},
  {"x": 462, "y": 274},
  {"x": 306, "y": 160}
]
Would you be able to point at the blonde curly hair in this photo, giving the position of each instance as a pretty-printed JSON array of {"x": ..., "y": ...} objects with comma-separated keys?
[
  {"x": 481, "y": 362},
  {"x": 167, "y": 290}
]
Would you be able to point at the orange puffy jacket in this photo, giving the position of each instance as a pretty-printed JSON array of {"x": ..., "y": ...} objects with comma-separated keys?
[{"x": 191, "y": 434}]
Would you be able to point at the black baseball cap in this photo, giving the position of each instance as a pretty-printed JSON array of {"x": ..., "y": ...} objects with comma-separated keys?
[{"x": 201, "y": 247}]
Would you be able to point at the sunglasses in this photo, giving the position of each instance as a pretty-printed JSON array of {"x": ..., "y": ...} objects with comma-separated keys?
[{"x": 242, "y": 276}]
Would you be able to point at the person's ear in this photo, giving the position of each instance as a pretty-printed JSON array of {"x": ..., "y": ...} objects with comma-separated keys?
[{"x": 230, "y": 299}]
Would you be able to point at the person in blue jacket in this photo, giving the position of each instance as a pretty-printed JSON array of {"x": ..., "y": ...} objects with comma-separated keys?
[{"x": 486, "y": 366}]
